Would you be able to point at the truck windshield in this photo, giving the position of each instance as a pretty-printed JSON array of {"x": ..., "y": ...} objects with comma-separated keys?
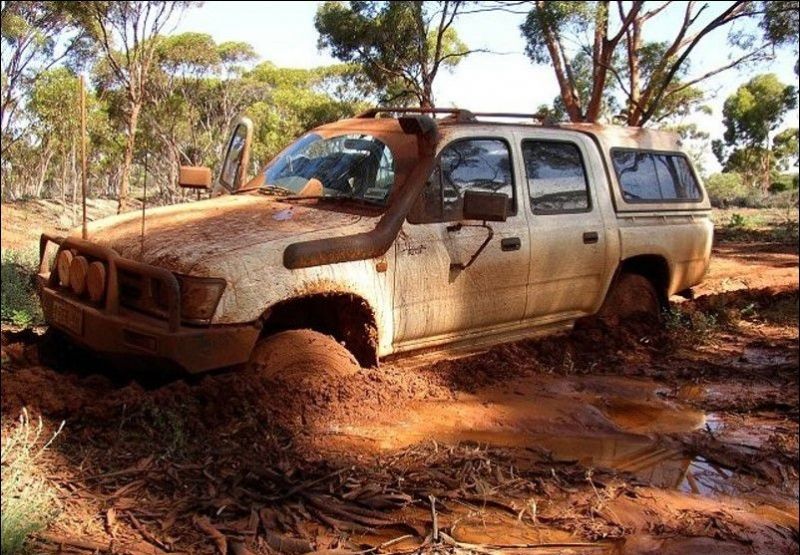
[{"x": 351, "y": 166}]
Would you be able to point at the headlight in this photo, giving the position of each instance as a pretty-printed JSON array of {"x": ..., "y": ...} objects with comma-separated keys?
[
  {"x": 77, "y": 274},
  {"x": 96, "y": 281},
  {"x": 199, "y": 296}
]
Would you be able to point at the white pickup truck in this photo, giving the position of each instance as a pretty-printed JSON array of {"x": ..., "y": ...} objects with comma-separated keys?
[{"x": 384, "y": 234}]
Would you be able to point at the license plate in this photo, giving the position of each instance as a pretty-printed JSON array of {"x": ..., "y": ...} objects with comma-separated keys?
[{"x": 67, "y": 316}]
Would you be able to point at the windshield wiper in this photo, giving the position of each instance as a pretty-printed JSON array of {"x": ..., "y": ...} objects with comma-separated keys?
[
  {"x": 357, "y": 200},
  {"x": 275, "y": 190}
]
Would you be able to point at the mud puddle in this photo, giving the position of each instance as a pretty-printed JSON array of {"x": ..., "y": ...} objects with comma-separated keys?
[{"x": 578, "y": 419}]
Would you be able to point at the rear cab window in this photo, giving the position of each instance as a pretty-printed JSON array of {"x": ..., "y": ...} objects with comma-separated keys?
[
  {"x": 646, "y": 176},
  {"x": 556, "y": 176}
]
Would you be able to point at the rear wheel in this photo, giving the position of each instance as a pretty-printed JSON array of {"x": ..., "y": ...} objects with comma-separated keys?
[
  {"x": 631, "y": 296},
  {"x": 294, "y": 354}
]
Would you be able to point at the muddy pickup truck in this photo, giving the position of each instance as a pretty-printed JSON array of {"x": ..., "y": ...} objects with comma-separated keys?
[{"x": 389, "y": 233}]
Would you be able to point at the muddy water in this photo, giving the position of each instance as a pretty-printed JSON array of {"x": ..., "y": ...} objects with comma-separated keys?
[
  {"x": 601, "y": 422},
  {"x": 617, "y": 420}
]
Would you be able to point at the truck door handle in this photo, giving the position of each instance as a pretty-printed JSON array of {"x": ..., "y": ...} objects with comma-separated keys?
[
  {"x": 590, "y": 237},
  {"x": 510, "y": 244}
]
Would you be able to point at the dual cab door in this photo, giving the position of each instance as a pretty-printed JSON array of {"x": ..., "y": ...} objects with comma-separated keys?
[{"x": 546, "y": 261}]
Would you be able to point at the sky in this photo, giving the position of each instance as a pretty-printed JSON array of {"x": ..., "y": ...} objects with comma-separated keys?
[{"x": 505, "y": 80}]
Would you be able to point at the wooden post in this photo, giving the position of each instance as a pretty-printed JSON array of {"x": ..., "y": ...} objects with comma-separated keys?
[{"x": 84, "y": 232}]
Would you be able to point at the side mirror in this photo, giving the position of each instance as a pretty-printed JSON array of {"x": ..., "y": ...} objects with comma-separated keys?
[
  {"x": 485, "y": 206},
  {"x": 237, "y": 155},
  {"x": 195, "y": 177}
]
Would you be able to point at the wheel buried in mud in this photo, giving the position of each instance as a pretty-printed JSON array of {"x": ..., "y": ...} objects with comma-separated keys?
[
  {"x": 294, "y": 354},
  {"x": 631, "y": 297}
]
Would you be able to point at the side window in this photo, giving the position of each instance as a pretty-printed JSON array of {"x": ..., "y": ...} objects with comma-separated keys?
[
  {"x": 469, "y": 164},
  {"x": 556, "y": 177},
  {"x": 652, "y": 176}
]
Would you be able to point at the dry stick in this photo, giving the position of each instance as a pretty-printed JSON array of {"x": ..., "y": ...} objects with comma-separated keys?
[
  {"x": 150, "y": 538},
  {"x": 435, "y": 518},
  {"x": 96, "y": 547},
  {"x": 305, "y": 485},
  {"x": 219, "y": 538},
  {"x": 489, "y": 548}
]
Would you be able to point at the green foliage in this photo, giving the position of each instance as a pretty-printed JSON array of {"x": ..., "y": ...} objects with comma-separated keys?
[
  {"x": 365, "y": 33},
  {"x": 29, "y": 503},
  {"x": 562, "y": 17},
  {"x": 756, "y": 109},
  {"x": 781, "y": 23},
  {"x": 725, "y": 189},
  {"x": 782, "y": 182},
  {"x": 19, "y": 303},
  {"x": 689, "y": 326},
  {"x": 752, "y": 114},
  {"x": 785, "y": 148}
]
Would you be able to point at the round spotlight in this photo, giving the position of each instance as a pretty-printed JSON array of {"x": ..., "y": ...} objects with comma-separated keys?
[
  {"x": 96, "y": 281},
  {"x": 62, "y": 267},
  {"x": 77, "y": 274}
]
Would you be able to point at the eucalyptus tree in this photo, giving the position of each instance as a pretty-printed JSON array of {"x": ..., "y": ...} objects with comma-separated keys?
[
  {"x": 401, "y": 46},
  {"x": 557, "y": 31},
  {"x": 127, "y": 34}
]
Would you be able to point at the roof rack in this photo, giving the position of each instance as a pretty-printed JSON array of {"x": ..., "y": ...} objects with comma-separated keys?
[
  {"x": 535, "y": 117},
  {"x": 460, "y": 114}
]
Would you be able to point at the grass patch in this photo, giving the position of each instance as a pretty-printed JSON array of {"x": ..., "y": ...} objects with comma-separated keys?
[
  {"x": 689, "y": 326},
  {"x": 19, "y": 303},
  {"x": 763, "y": 225},
  {"x": 29, "y": 503}
]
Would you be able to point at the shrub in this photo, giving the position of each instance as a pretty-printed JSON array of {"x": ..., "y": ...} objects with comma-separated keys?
[
  {"x": 725, "y": 189},
  {"x": 783, "y": 182},
  {"x": 19, "y": 303},
  {"x": 28, "y": 501}
]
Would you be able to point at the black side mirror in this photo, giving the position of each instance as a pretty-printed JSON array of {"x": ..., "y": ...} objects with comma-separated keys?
[{"x": 485, "y": 206}]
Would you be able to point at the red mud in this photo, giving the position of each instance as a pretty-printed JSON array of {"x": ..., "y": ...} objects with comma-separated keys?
[{"x": 641, "y": 440}]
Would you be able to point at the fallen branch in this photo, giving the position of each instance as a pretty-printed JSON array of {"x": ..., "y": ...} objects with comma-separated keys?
[
  {"x": 204, "y": 525},
  {"x": 98, "y": 547}
]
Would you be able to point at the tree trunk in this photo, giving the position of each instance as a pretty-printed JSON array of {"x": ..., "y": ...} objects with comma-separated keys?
[
  {"x": 634, "y": 102},
  {"x": 766, "y": 181},
  {"x": 427, "y": 95},
  {"x": 64, "y": 171},
  {"x": 174, "y": 162},
  {"x": 37, "y": 191},
  {"x": 599, "y": 86},
  {"x": 130, "y": 145},
  {"x": 74, "y": 173}
]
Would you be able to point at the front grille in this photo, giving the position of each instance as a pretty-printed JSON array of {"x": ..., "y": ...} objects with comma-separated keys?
[{"x": 142, "y": 293}]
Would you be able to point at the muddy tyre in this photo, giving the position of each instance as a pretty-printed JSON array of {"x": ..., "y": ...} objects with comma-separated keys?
[
  {"x": 294, "y": 354},
  {"x": 631, "y": 296}
]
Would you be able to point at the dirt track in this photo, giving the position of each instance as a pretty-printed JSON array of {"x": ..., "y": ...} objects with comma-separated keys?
[{"x": 606, "y": 441}]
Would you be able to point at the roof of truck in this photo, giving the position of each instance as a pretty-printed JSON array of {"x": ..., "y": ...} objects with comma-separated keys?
[{"x": 610, "y": 136}]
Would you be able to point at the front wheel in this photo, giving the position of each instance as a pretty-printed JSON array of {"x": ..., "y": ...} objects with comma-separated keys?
[
  {"x": 631, "y": 296},
  {"x": 294, "y": 354}
]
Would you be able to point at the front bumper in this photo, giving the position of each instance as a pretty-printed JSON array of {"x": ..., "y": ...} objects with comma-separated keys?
[
  {"x": 130, "y": 333},
  {"x": 112, "y": 329}
]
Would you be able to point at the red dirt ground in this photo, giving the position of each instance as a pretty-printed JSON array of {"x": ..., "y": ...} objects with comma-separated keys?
[{"x": 641, "y": 440}]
